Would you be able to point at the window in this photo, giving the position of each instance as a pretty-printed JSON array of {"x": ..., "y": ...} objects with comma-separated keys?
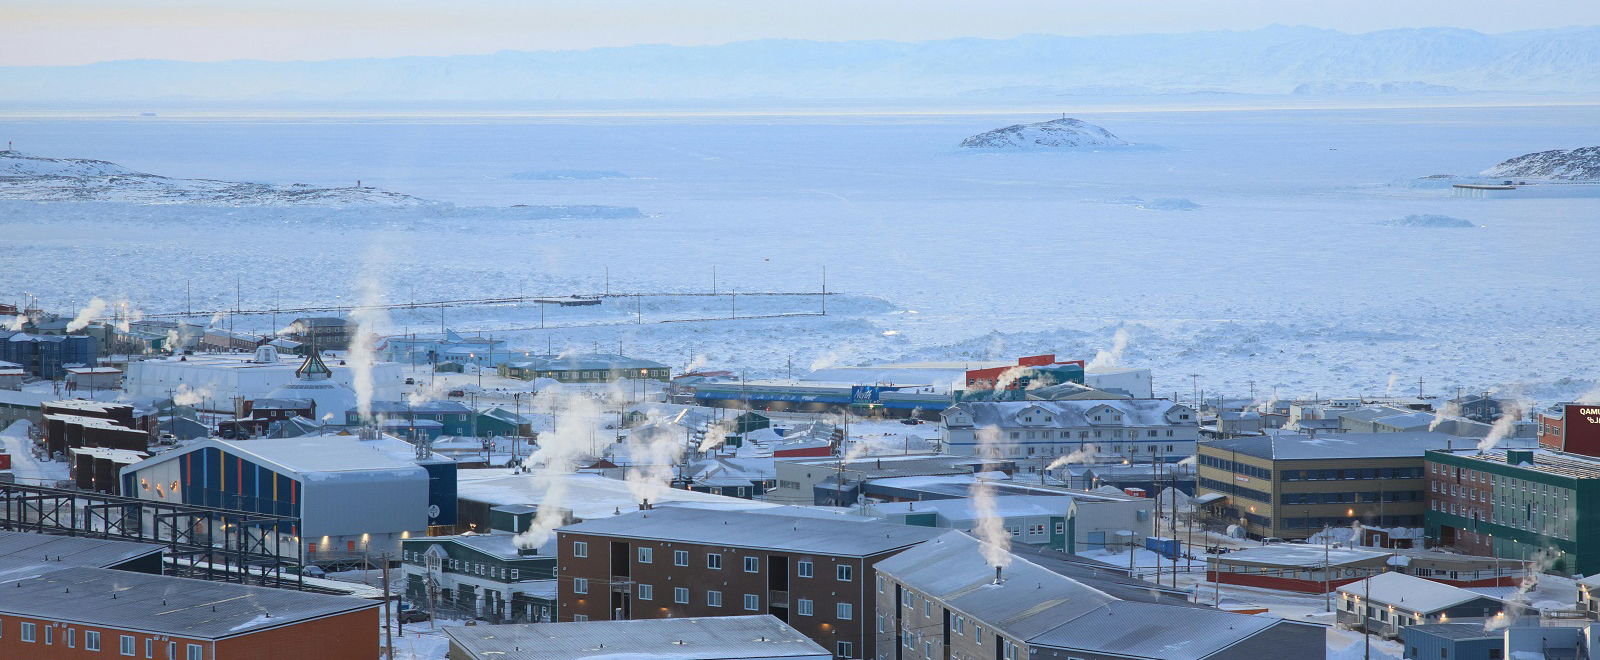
[
  {"x": 804, "y": 607},
  {"x": 196, "y": 652},
  {"x": 172, "y": 651},
  {"x": 804, "y": 568},
  {"x": 714, "y": 599},
  {"x": 72, "y": 637},
  {"x": 959, "y": 625},
  {"x": 680, "y": 595},
  {"x": 128, "y": 647},
  {"x": 91, "y": 642},
  {"x": 1061, "y": 527},
  {"x": 752, "y": 564},
  {"x": 880, "y": 584},
  {"x": 844, "y": 572},
  {"x": 580, "y": 585},
  {"x": 845, "y": 649},
  {"x": 646, "y": 555},
  {"x": 149, "y": 646},
  {"x": 752, "y": 602},
  {"x": 28, "y": 631},
  {"x": 680, "y": 557},
  {"x": 647, "y": 592},
  {"x": 579, "y": 549},
  {"x": 843, "y": 611},
  {"x": 516, "y": 574},
  {"x": 714, "y": 560},
  {"x": 49, "y": 635}
]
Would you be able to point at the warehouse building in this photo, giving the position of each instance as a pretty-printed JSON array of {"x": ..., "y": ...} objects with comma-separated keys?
[
  {"x": 1517, "y": 503},
  {"x": 354, "y": 497},
  {"x": 225, "y": 378},
  {"x": 1292, "y": 486},
  {"x": 755, "y": 637},
  {"x": 943, "y": 599},
  {"x": 585, "y": 368},
  {"x": 80, "y": 612},
  {"x": 1099, "y": 519},
  {"x": 1140, "y": 430},
  {"x": 813, "y": 573}
]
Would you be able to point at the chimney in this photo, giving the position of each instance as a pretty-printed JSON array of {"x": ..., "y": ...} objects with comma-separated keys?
[
  {"x": 997, "y": 578},
  {"x": 524, "y": 552}
]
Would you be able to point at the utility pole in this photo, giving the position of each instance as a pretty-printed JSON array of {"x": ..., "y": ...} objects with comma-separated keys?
[
  {"x": 824, "y": 290},
  {"x": 388, "y": 621},
  {"x": 1195, "y": 379}
]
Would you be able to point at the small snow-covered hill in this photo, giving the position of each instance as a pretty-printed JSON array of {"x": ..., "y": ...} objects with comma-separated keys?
[
  {"x": 1061, "y": 133},
  {"x": 1581, "y": 164},
  {"x": 81, "y": 180}
]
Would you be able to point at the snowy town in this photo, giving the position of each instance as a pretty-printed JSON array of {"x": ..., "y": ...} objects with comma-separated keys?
[{"x": 181, "y": 490}]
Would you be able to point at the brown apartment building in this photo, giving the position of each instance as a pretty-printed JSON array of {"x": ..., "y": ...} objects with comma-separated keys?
[
  {"x": 813, "y": 573},
  {"x": 80, "y": 613}
]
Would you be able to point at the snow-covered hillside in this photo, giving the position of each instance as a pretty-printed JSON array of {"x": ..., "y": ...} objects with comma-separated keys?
[
  {"x": 1064, "y": 133},
  {"x": 81, "y": 180},
  {"x": 1581, "y": 164},
  {"x": 1272, "y": 60}
]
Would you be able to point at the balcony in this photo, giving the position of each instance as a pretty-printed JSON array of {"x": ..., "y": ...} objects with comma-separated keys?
[
  {"x": 621, "y": 584},
  {"x": 777, "y": 598}
]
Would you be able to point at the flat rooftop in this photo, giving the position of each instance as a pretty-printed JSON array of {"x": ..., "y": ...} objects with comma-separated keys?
[
  {"x": 165, "y": 605},
  {"x": 25, "y": 554},
  {"x": 1299, "y": 555},
  {"x": 1576, "y": 466},
  {"x": 1293, "y": 446},
  {"x": 694, "y": 638},
  {"x": 766, "y": 530}
]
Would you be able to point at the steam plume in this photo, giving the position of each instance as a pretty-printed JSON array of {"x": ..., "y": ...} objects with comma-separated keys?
[
  {"x": 1503, "y": 425},
  {"x": 16, "y": 323},
  {"x": 189, "y": 396},
  {"x": 653, "y": 452},
  {"x": 1445, "y": 412},
  {"x": 88, "y": 314},
  {"x": 1113, "y": 357},
  {"x": 370, "y": 319},
  {"x": 716, "y": 434},
  {"x": 573, "y": 438},
  {"x": 1388, "y": 388},
  {"x": 993, "y": 538}
]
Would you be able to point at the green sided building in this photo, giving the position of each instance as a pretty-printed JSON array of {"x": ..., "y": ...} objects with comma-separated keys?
[
  {"x": 484, "y": 576},
  {"x": 1523, "y": 504}
]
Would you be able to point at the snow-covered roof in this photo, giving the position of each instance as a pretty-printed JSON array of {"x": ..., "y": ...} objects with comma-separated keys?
[
  {"x": 767, "y": 530},
  {"x": 965, "y": 508},
  {"x": 1410, "y": 592},
  {"x": 311, "y": 454},
  {"x": 587, "y": 496},
  {"x": 1300, "y": 555},
  {"x": 1290, "y": 446},
  {"x": 1073, "y": 413}
]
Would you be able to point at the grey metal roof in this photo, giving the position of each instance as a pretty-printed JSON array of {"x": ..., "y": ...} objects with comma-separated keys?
[
  {"x": 695, "y": 638},
  {"x": 775, "y": 531},
  {"x": 1144, "y": 630},
  {"x": 1457, "y": 631},
  {"x": 586, "y": 361},
  {"x": 24, "y": 554},
  {"x": 1042, "y": 603},
  {"x": 166, "y": 605},
  {"x": 1029, "y": 601},
  {"x": 1290, "y": 446},
  {"x": 424, "y": 407}
]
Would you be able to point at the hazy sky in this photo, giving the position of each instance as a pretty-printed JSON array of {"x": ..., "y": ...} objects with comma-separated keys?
[{"x": 82, "y": 31}]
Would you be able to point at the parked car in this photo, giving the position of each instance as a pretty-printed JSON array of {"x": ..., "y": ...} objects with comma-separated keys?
[
  {"x": 1270, "y": 540},
  {"x": 413, "y": 616},
  {"x": 313, "y": 571}
]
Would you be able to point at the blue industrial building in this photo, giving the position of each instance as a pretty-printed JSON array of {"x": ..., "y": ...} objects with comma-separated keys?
[
  {"x": 48, "y": 356},
  {"x": 353, "y": 495}
]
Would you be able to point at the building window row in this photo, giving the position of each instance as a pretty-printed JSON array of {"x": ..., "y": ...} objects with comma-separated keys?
[
  {"x": 1239, "y": 491},
  {"x": 1353, "y": 474},
  {"x": 1235, "y": 467},
  {"x": 1353, "y": 497}
]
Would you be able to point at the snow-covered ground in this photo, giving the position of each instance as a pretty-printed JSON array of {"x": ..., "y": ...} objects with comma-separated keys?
[
  {"x": 25, "y": 467},
  {"x": 1279, "y": 270}
]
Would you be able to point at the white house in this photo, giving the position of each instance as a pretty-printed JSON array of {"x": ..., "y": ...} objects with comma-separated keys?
[{"x": 1143, "y": 430}]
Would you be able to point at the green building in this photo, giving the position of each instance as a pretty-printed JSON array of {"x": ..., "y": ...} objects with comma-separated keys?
[
  {"x": 483, "y": 576},
  {"x": 1517, "y": 503},
  {"x": 585, "y": 368}
]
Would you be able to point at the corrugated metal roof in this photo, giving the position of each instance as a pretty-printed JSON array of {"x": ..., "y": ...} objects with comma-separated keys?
[
  {"x": 769, "y": 530},
  {"x": 1075, "y": 413},
  {"x": 1143, "y": 630},
  {"x": 1409, "y": 592},
  {"x": 24, "y": 554},
  {"x": 698, "y": 638},
  {"x": 166, "y": 605}
]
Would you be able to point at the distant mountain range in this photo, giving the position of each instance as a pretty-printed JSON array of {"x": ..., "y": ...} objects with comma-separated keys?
[{"x": 1274, "y": 60}]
